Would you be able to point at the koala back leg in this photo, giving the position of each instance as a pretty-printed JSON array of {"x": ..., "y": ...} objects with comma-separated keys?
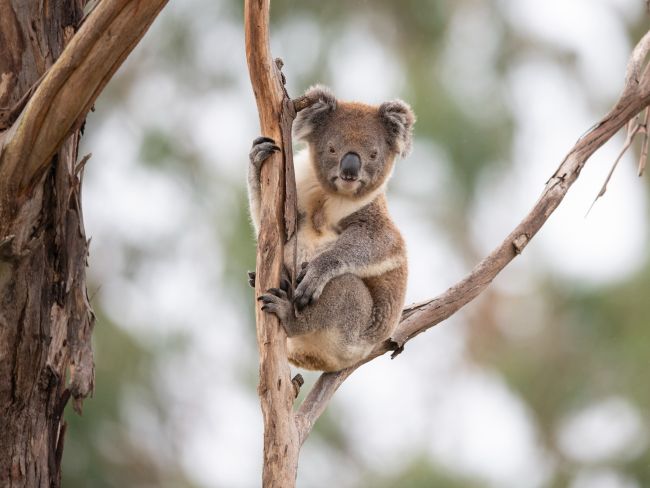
[
  {"x": 328, "y": 333},
  {"x": 387, "y": 292}
]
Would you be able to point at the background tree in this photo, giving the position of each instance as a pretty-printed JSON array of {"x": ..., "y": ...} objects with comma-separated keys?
[{"x": 53, "y": 64}]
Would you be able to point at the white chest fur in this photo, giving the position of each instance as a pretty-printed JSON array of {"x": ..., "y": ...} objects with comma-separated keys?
[
  {"x": 311, "y": 242},
  {"x": 320, "y": 211}
]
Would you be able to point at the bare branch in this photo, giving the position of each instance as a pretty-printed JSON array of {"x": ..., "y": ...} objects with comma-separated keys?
[
  {"x": 303, "y": 102},
  {"x": 418, "y": 318},
  {"x": 70, "y": 87}
]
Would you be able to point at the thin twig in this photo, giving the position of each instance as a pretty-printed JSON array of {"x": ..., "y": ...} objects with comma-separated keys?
[
  {"x": 82, "y": 164},
  {"x": 633, "y": 128},
  {"x": 643, "y": 158},
  {"x": 303, "y": 102}
]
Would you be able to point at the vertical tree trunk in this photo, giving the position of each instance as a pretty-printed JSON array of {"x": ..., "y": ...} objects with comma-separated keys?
[
  {"x": 45, "y": 318},
  {"x": 278, "y": 223}
]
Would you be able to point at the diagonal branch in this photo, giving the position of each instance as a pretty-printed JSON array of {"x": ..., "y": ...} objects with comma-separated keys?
[
  {"x": 418, "y": 318},
  {"x": 69, "y": 89}
]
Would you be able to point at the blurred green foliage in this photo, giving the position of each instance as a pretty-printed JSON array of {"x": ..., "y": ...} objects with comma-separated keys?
[
  {"x": 421, "y": 472},
  {"x": 100, "y": 449}
]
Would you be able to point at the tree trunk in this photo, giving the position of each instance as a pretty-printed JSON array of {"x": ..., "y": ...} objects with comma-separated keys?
[
  {"x": 277, "y": 224},
  {"x": 45, "y": 318}
]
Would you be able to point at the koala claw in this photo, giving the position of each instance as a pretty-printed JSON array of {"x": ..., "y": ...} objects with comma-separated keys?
[
  {"x": 302, "y": 273},
  {"x": 278, "y": 292},
  {"x": 262, "y": 148},
  {"x": 303, "y": 301},
  {"x": 259, "y": 140},
  {"x": 309, "y": 287},
  {"x": 251, "y": 279},
  {"x": 285, "y": 285},
  {"x": 277, "y": 302}
]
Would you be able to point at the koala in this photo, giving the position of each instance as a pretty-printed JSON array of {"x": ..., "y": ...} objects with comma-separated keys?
[{"x": 351, "y": 285}]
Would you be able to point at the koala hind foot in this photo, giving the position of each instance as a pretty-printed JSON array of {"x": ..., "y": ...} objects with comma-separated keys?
[{"x": 278, "y": 301}]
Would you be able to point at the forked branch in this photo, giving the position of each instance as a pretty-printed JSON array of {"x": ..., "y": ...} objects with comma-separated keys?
[
  {"x": 637, "y": 125},
  {"x": 69, "y": 88}
]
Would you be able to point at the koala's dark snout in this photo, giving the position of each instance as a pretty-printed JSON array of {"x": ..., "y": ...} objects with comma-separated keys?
[{"x": 350, "y": 166}]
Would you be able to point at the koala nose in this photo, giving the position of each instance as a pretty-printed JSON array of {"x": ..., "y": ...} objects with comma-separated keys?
[{"x": 350, "y": 166}]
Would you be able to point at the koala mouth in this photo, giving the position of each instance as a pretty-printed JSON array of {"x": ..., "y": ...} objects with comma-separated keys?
[
  {"x": 347, "y": 184},
  {"x": 350, "y": 178}
]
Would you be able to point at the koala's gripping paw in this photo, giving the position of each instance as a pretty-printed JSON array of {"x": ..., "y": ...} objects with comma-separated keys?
[
  {"x": 262, "y": 148},
  {"x": 310, "y": 286},
  {"x": 278, "y": 302},
  {"x": 251, "y": 278}
]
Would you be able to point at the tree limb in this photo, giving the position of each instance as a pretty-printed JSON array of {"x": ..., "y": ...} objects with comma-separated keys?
[
  {"x": 418, "y": 318},
  {"x": 69, "y": 89}
]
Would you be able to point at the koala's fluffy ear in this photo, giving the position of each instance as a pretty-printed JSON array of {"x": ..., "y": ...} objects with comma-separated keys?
[
  {"x": 309, "y": 118},
  {"x": 398, "y": 118}
]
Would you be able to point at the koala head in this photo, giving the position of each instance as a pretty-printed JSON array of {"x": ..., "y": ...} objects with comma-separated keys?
[{"x": 353, "y": 145}]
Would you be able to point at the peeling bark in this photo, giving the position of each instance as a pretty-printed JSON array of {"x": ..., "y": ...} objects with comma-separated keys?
[
  {"x": 49, "y": 78},
  {"x": 45, "y": 318}
]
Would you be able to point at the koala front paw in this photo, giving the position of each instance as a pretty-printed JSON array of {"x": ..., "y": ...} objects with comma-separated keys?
[
  {"x": 262, "y": 148},
  {"x": 310, "y": 286},
  {"x": 251, "y": 278}
]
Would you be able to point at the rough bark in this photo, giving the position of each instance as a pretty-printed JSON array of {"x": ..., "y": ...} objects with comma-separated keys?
[
  {"x": 277, "y": 223},
  {"x": 45, "y": 318}
]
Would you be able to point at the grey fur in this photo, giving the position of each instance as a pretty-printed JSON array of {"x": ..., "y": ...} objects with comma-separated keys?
[
  {"x": 315, "y": 113},
  {"x": 350, "y": 294},
  {"x": 399, "y": 119},
  {"x": 262, "y": 148}
]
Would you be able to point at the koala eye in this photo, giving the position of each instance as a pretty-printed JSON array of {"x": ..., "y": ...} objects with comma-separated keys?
[
  {"x": 373, "y": 155},
  {"x": 332, "y": 150}
]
